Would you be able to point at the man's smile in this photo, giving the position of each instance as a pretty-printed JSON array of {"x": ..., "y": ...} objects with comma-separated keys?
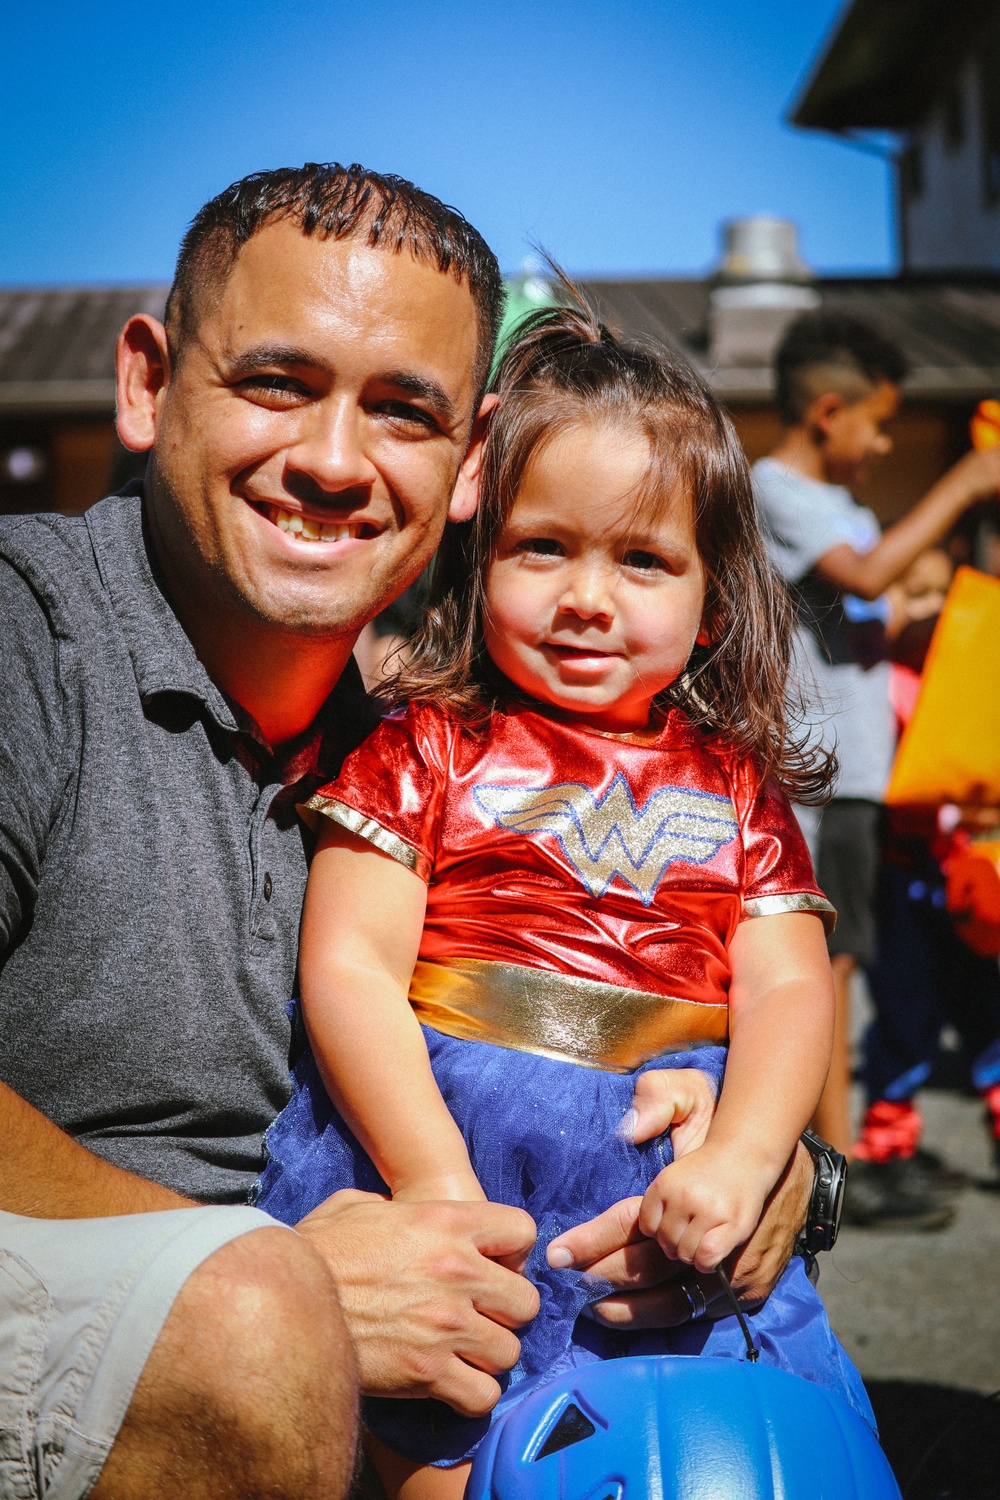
[{"x": 300, "y": 527}]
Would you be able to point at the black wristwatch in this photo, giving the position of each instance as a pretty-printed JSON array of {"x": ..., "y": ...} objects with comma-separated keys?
[{"x": 827, "y": 1198}]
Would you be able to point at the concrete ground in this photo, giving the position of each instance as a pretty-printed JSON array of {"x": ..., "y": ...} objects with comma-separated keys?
[
  {"x": 919, "y": 1313},
  {"x": 926, "y": 1306}
]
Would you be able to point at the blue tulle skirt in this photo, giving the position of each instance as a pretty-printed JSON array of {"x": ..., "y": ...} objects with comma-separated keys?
[{"x": 543, "y": 1135}]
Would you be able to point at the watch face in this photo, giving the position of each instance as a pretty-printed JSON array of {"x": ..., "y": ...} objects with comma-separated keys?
[{"x": 837, "y": 1196}]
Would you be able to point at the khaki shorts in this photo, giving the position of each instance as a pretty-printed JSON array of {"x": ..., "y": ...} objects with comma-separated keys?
[{"x": 82, "y": 1302}]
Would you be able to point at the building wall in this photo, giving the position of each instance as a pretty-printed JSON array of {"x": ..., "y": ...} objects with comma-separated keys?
[
  {"x": 76, "y": 460},
  {"x": 82, "y": 458},
  {"x": 950, "y": 182}
]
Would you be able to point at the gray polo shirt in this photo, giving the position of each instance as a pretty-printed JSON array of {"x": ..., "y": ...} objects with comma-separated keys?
[{"x": 152, "y": 866}]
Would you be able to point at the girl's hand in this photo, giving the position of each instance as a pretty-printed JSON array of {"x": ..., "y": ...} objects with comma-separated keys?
[
  {"x": 699, "y": 1209},
  {"x": 678, "y": 1099},
  {"x": 451, "y": 1187}
]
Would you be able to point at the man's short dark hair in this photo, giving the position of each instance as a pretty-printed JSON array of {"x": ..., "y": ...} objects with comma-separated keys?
[
  {"x": 829, "y": 351},
  {"x": 344, "y": 203}
]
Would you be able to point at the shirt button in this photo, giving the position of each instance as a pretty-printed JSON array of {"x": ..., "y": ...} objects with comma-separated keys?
[{"x": 268, "y": 886}]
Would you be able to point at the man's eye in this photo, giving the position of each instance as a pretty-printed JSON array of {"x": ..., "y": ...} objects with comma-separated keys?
[
  {"x": 646, "y": 561},
  {"x": 273, "y": 387},
  {"x": 402, "y": 411}
]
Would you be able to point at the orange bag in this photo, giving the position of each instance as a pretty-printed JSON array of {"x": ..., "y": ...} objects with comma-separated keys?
[{"x": 950, "y": 750}]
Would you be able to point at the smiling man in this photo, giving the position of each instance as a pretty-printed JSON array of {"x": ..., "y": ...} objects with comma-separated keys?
[{"x": 177, "y": 679}]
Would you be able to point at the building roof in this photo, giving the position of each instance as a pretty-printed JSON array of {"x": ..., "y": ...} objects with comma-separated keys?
[
  {"x": 57, "y": 344},
  {"x": 888, "y": 60},
  {"x": 948, "y": 328}
]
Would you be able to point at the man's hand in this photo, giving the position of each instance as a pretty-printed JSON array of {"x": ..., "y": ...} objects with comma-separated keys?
[
  {"x": 613, "y": 1248},
  {"x": 428, "y": 1307}
]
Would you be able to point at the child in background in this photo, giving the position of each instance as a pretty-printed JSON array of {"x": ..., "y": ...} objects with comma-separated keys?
[
  {"x": 570, "y": 858},
  {"x": 922, "y": 973},
  {"x": 915, "y": 600},
  {"x": 838, "y": 389}
]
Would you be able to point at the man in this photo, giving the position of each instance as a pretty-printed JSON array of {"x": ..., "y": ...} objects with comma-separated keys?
[
  {"x": 177, "y": 678},
  {"x": 838, "y": 389}
]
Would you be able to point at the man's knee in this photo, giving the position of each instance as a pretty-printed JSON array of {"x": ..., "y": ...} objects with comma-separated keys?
[{"x": 251, "y": 1384}]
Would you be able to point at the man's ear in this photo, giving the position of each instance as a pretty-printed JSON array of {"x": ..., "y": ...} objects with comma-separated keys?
[
  {"x": 703, "y": 638},
  {"x": 142, "y": 358},
  {"x": 465, "y": 497}
]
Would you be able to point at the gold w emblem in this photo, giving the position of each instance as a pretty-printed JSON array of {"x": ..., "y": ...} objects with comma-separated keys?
[{"x": 609, "y": 835}]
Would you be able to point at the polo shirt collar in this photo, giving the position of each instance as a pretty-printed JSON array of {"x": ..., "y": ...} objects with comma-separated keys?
[{"x": 164, "y": 659}]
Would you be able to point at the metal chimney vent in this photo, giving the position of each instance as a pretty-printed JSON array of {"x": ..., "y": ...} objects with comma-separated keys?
[{"x": 762, "y": 283}]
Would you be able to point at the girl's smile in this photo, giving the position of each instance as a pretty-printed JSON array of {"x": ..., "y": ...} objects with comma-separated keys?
[{"x": 594, "y": 605}]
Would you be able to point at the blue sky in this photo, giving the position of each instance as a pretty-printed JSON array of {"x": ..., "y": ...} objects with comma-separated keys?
[{"x": 618, "y": 134}]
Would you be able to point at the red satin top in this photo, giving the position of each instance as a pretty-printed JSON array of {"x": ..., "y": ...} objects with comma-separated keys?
[{"x": 560, "y": 848}]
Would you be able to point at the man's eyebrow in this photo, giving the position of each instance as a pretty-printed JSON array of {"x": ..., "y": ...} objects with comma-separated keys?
[{"x": 258, "y": 356}]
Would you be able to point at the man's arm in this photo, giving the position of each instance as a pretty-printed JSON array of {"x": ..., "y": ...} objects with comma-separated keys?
[
  {"x": 45, "y": 1174},
  {"x": 868, "y": 574}
]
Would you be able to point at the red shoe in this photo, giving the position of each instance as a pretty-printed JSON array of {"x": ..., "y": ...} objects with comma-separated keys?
[
  {"x": 991, "y": 1098},
  {"x": 891, "y": 1131}
]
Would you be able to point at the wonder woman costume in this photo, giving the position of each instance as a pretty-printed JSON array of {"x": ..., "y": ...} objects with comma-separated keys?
[{"x": 582, "y": 893}]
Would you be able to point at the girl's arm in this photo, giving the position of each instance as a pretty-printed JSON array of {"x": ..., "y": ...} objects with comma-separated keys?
[
  {"x": 361, "y": 928},
  {"x": 781, "y": 1033}
]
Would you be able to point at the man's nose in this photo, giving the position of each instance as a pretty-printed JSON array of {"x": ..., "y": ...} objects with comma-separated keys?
[
  {"x": 883, "y": 445},
  {"x": 331, "y": 449},
  {"x": 587, "y": 593}
]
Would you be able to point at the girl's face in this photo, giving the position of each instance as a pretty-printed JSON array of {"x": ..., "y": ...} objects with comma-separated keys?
[{"x": 591, "y": 608}]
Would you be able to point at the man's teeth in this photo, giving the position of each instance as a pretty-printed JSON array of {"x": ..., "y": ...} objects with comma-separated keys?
[{"x": 311, "y": 531}]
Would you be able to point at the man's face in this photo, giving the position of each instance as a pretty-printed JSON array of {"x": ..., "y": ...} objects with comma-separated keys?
[
  {"x": 855, "y": 435},
  {"x": 311, "y": 433}
]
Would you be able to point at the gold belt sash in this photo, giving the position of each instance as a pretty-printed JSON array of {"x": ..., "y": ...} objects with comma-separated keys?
[{"x": 559, "y": 1015}]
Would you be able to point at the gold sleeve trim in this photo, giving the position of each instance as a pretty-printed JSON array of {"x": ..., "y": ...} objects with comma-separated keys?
[
  {"x": 373, "y": 832},
  {"x": 772, "y": 906}
]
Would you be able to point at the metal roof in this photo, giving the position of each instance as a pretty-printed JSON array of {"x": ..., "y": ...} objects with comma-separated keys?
[
  {"x": 948, "y": 328},
  {"x": 57, "y": 344},
  {"x": 888, "y": 60}
]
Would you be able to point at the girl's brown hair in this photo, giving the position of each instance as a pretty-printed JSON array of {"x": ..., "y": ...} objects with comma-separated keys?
[{"x": 564, "y": 367}]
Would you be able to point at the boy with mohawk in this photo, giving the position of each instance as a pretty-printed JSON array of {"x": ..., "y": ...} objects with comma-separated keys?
[{"x": 838, "y": 388}]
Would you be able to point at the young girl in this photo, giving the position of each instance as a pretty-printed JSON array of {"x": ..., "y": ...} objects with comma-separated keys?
[{"x": 567, "y": 861}]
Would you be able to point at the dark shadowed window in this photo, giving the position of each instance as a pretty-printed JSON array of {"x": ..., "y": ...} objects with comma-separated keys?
[
  {"x": 954, "y": 113},
  {"x": 989, "y": 88},
  {"x": 911, "y": 170}
]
